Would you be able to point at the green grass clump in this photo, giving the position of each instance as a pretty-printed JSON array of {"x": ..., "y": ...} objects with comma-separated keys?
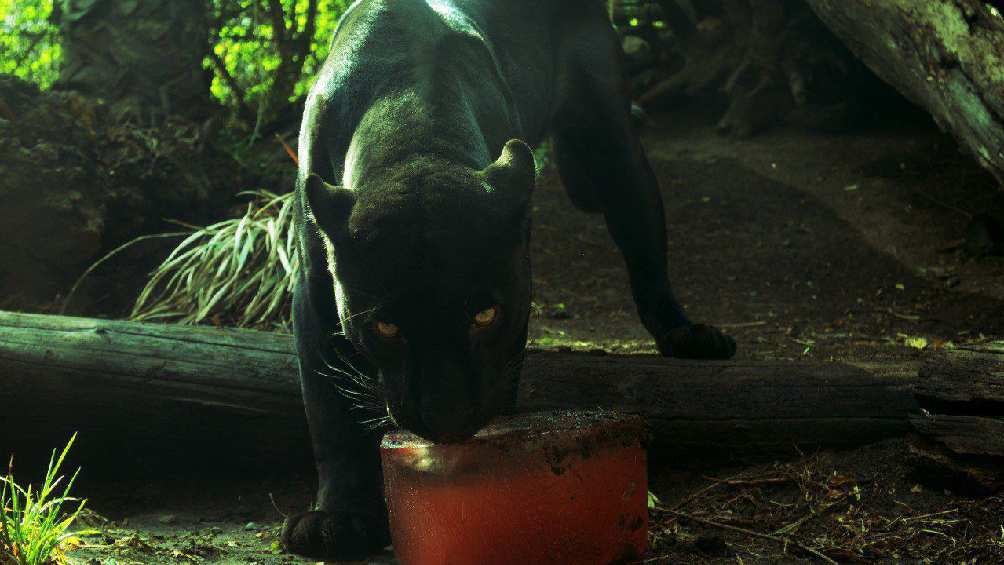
[
  {"x": 32, "y": 522},
  {"x": 236, "y": 272}
]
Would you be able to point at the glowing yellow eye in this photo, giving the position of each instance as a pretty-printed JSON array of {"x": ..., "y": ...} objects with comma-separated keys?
[
  {"x": 486, "y": 317},
  {"x": 388, "y": 330}
]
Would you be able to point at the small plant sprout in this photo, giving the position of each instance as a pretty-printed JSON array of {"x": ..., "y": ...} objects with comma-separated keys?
[
  {"x": 33, "y": 524},
  {"x": 653, "y": 500}
]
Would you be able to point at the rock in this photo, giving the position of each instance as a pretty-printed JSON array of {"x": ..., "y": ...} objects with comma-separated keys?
[
  {"x": 75, "y": 183},
  {"x": 984, "y": 236},
  {"x": 52, "y": 217}
]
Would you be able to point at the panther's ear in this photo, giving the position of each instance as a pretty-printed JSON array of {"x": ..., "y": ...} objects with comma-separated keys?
[
  {"x": 513, "y": 174},
  {"x": 330, "y": 206}
]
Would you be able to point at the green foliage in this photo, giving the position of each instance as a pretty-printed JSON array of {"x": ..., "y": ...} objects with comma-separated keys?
[
  {"x": 29, "y": 46},
  {"x": 653, "y": 500},
  {"x": 32, "y": 521},
  {"x": 244, "y": 40},
  {"x": 238, "y": 272}
]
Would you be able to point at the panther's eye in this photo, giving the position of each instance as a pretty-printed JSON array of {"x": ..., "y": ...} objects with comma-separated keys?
[
  {"x": 486, "y": 317},
  {"x": 386, "y": 330}
]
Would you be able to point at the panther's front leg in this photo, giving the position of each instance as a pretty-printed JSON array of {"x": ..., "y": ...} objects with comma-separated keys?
[{"x": 349, "y": 518}]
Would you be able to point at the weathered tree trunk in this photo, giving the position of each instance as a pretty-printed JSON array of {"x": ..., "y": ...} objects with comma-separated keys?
[
  {"x": 742, "y": 408},
  {"x": 203, "y": 393},
  {"x": 961, "y": 424},
  {"x": 944, "y": 55},
  {"x": 144, "y": 57}
]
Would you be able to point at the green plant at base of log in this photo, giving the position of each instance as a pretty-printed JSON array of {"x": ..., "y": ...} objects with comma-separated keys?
[
  {"x": 32, "y": 523},
  {"x": 234, "y": 272},
  {"x": 237, "y": 272}
]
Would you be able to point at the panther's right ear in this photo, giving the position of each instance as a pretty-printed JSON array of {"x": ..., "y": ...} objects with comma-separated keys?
[
  {"x": 330, "y": 205},
  {"x": 512, "y": 175}
]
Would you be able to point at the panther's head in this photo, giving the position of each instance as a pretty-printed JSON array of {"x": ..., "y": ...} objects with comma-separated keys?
[{"x": 431, "y": 271}]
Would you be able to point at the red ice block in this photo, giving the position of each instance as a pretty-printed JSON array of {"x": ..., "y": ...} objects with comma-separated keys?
[{"x": 563, "y": 487}]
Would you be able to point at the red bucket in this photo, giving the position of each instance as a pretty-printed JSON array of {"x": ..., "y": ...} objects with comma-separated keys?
[{"x": 565, "y": 487}]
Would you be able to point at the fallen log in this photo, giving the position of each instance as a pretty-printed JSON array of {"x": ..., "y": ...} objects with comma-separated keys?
[
  {"x": 147, "y": 394},
  {"x": 960, "y": 427},
  {"x": 943, "y": 55}
]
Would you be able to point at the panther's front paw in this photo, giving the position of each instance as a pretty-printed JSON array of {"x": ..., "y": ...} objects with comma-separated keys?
[
  {"x": 334, "y": 536},
  {"x": 697, "y": 341}
]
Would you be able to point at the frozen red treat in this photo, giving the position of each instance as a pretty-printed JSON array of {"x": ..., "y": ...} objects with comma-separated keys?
[{"x": 557, "y": 487}]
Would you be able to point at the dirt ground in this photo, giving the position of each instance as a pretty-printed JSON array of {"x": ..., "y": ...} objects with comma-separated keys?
[
  {"x": 800, "y": 244},
  {"x": 804, "y": 245}
]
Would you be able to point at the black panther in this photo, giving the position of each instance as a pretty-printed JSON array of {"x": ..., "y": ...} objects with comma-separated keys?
[{"x": 413, "y": 195}]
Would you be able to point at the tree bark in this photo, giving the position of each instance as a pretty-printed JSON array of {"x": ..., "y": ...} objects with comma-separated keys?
[
  {"x": 167, "y": 391},
  {"x": 960, "y": 428},
  {"x": 144, "y": 57},
  {"x": 944, "y": 55},
  {"x": 744, "y": 408}
]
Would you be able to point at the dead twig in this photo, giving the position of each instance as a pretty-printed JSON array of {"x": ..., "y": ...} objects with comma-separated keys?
[
  {"x": 743, "y": 325},
  {"x": 247, "y": 113},
  {"x": 696, "y": 494},
  {"x": 289, "y": 150},
  {"x": 790, "y": 528},
  {"x": 931, "y": 515},
  {"x": 735, "y": 480},
  {"x": 751, "y": 482},
  {"x": 783, "y": 541},
  {"x": 907, "y": 317}
]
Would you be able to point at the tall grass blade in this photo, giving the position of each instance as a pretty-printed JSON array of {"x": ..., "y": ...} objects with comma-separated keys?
[{"x": 240, "y": 271}]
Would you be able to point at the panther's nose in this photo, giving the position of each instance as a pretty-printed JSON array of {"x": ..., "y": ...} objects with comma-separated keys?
[
  {"x": 448, "y": 422},
  {"x": 446, "y": 398}
]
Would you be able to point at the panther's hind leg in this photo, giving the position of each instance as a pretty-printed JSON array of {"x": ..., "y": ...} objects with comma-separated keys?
[
  {"x": 605, "y": 169},
  {"x": 578, "y": 185}
]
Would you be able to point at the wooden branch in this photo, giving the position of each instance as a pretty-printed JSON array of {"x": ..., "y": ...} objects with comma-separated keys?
[
  {"x": 36, "y": 38},
  {"x": 944, "y": 55},
  {"x": 278, "y": 18},
  {"x": 960, "y": 426},
  {"x": 300, "y": 48},
  {"x": 229, "y": 394},
  {"x": 964, "y": 434},
  {"x": 292, "y": 53},
  {"x": 245, "y": 111},
  {"x": 721, "y": 407},
  {"x": 307, "y": 35}
]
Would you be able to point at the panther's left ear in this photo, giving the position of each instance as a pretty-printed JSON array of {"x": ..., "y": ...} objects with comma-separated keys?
[
  {"x": 513, "y": 174},
  {"x": 330, "y": 205}
]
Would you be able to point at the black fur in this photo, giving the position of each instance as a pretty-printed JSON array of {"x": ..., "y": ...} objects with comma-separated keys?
[{"x": 414, "y": 189}]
